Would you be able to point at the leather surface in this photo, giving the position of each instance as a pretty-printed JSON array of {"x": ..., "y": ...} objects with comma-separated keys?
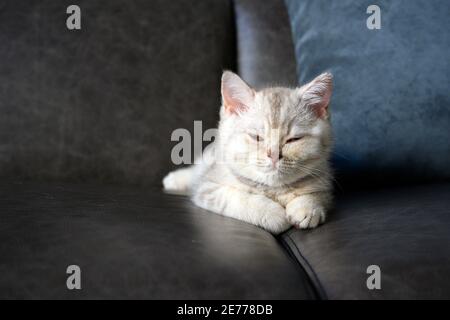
[
  {"x": 403, "y": 230},
  {"x": 100, "y": 104},
  {"x": 132, "y": 243},
  {"x": 264, "y": 43}
]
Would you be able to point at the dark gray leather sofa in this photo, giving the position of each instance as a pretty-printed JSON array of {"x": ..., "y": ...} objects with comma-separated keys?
[{"x": 86, "y": 119}]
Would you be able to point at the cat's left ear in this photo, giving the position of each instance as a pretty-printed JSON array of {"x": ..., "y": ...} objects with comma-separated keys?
[
  {"x": 237, "y": 96},
  {"x": 316, "y": 94}
]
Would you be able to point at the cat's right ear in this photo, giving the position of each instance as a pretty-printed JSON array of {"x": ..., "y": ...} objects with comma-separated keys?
[
  {"x": 317, "y": 94},
  {"x": 237, "y": 96}
]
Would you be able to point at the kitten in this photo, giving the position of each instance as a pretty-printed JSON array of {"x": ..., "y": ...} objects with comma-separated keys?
[{"x": 269, "y": 163}]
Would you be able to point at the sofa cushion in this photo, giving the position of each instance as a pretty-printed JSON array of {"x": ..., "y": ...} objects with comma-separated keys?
[
  {"x": 132, "y": 243},
  {"x": 404, "y": 231},
  {"x": 265, "y": 50},
  {"x": 391, "y": 103},
  {"x": 101, "y": 103}
]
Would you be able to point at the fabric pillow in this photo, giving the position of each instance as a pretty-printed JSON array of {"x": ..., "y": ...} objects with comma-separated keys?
[{"x": 391, "y": 103}]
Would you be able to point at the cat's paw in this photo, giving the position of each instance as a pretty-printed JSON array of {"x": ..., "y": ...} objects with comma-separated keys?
[
  {"x": 305, "y": 213},
  {"x": 178, "y": 180},
  {"x": 274, "y": 218}
]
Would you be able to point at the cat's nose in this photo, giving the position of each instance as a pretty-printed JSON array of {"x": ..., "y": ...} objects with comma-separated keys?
[{"x": 274, "y": 156}]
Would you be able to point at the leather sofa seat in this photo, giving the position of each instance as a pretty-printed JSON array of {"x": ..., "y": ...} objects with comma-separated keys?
[
  {"x": 134, "y": 243},
  {"x": 405, "y": 231},
  {"x": 143, "y": 243}
]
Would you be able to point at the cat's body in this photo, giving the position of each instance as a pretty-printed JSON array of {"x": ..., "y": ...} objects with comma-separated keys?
[{"x": 269, "y": 163}]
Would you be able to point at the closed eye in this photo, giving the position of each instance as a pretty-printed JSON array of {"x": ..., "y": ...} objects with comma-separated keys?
[
  {"x": 255, "y": 137},
  {"x": 293, "y": 139}
]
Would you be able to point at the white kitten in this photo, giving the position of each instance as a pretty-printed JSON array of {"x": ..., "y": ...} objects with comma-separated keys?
[{"x": 269, "y": 164}]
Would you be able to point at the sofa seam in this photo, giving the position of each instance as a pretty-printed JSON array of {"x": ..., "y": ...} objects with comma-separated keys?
[{"x": 306, "y": 266}]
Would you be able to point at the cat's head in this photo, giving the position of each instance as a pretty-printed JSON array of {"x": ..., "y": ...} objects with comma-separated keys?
[{"x": 275, "y": 136}]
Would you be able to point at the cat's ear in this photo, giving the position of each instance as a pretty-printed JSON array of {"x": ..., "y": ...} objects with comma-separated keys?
[
  {"x": 316, "y": 94},
  {"x": 237, "y": 96}
]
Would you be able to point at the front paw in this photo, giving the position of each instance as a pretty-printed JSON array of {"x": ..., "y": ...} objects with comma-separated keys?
[
  {"x": 274, "y": 218},
  {"x": 304, "y": 213}
]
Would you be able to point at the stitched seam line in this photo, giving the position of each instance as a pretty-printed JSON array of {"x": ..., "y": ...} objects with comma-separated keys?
[{"x": 303, "y": 262}]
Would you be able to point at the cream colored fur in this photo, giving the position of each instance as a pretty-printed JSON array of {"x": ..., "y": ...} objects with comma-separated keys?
[{"x": 269, "y": 164}]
